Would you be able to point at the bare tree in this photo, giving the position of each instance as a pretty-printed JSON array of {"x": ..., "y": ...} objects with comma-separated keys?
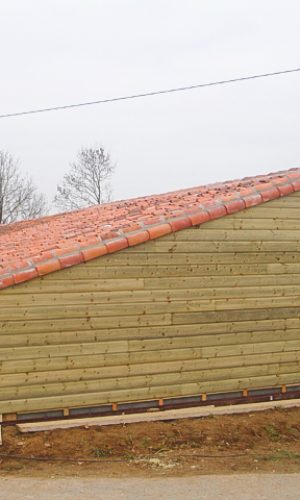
[
  {"x": 87, "y": 182},
  {"x": 19, "y": 198}
]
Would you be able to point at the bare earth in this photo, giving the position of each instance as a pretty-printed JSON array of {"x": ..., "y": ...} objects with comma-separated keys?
[{"x": 250, "y": 443}]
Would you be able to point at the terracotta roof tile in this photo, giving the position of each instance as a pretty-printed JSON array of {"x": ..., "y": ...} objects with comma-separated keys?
[{"x": 38, "y": 247}]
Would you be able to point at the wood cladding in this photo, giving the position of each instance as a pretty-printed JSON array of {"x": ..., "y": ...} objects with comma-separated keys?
[{"x": 214, "y": 308}]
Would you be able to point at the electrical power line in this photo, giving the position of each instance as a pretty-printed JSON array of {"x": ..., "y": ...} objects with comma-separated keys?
[{"x": 146, "y": 94}]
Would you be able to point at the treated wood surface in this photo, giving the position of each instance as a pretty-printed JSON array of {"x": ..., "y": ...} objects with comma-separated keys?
[
  {"x": 207, "y": 309},
  {"x": 177, "y": 414}
]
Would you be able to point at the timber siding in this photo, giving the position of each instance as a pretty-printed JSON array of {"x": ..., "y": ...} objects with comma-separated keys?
[{"x": 213, "y": 308}]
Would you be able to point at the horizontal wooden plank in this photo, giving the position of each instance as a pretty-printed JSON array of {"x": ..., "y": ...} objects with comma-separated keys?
[
  {"x": 217, "y": 344},
  {"x": 101, "y": 372},
  {"x": 292, "y": 203},
  {"x": 133, "y": 382},
  {"x": 149, "y": 392},
  {"x": 221, "y": 281},
  {"x": 39, "y": 285},
  {"x": 247, "y": 235},
  {"x": 151, "y": 258},
  {"x": 134, "y": 361},
  {"x": 83, "y": 344},
  {"x": 253, "y": 224},
  {"x": 263, "y": 211},
  {"x": 60, "y": 287},
  {"x": 264, "y": 347},
  {"x": 284, "y": 202},
  {"x": 126, "y": 272},
  {"x": 38, "y": 338},
  {"x": 63, "y": 362},
  {"x": 175, "y": 318},
  {"x": 162, "y": 245},
  {"x": 232, "y": 316},
  {"x": 136, "y": 296},
  {"x": 144, "y": 333},
  {"x": 49, "y": 325},
  {"x": 140, "y": 313}
]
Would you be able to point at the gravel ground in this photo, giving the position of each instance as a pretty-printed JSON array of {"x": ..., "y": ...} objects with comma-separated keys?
[{"x": 241, "y": 487}]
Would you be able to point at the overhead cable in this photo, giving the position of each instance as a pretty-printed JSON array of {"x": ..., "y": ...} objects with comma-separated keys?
[{"x": 146, "y": 94}]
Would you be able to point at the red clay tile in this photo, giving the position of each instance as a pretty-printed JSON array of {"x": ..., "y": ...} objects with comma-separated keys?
[
  {"x": 42, "y": 257},
  {"x": 280, "y": 180},
  {"x": 48, "y": 267},
  {"x": 264, "y": 186},
  {"x": 199, "y": 217},
  {"x": 26, "y": 275},
  {"x": 130, "y": 228},
  {"x": 160, "y": 230},
  {"x": 137, "y": 238},
  {"x": 176, "y": 213},
  {"x": 285, "y": 189},
  {"x": 296, "y": 184},
  {"x": 21, "y": 264},
  {"x": 151, "y": 220},
  {"x": 252, "y": 199},
  {"x": 63, "y": 251},
  {"x": 116, "y": 245},
  {"x": 269, "y": 194},
  {"x": 179, "y": 224},
  {"x": 91, "y": 242},
  {"x": 70, "y": 260},
  {"x": 5, "y": 282},
  {"x": 93, "y": 253},
  {"x": 292, "y": 173},
  {"x": 109, "y": 235},
  {"x": 247, "y": 192},
  {"x": 215, "y": 211},
  {"x": 234, "y": 205},
  {"x": 74, "y": 236}
]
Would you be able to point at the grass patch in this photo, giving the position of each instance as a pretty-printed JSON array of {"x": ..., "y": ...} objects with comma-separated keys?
[
  {"x": 101, "y": 452},
  {"x": 282, "y": 454},
  {"x": 272, "y": 433}
]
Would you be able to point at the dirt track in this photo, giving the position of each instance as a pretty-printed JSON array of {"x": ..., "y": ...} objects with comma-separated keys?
[
  {"x": 255, "y": 442},
  {"x": 235, "y": 487}
]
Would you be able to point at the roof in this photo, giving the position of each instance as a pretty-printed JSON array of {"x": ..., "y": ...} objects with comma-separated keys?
[{"x": 37, "y": 247}]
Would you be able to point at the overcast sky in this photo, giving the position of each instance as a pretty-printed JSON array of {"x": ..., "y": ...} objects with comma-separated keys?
[{"x": 55, "y": 52}]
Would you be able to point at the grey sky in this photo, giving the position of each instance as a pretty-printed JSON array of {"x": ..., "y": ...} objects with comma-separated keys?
[{"x": 63, "y": 51}]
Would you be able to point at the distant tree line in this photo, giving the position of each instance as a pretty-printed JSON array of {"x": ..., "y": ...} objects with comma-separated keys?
[{"x": 88, "y": 182}]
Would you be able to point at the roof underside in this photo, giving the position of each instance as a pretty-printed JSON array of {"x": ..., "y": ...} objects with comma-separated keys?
[{"x": 34, "y": 248}]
